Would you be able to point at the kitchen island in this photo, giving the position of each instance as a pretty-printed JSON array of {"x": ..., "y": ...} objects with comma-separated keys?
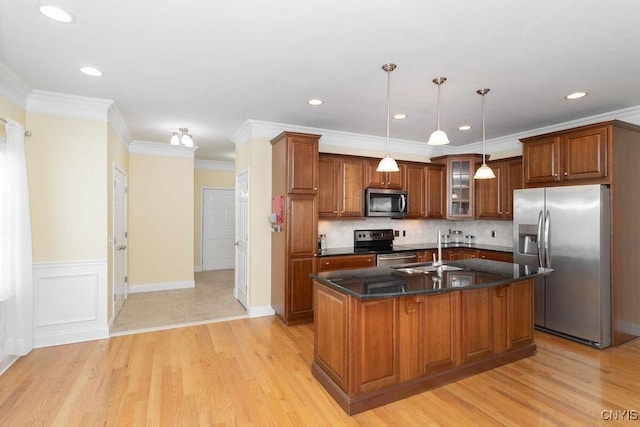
[{"x": 383, "y": 333}]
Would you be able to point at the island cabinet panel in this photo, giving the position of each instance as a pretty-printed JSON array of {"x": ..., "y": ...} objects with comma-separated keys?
[
  {"x": 332, "y": 332},
  {"x": 519, "y": 314},
  {"x": 477, "y": 325},
  {"x": 375, "y": 334},
  {"x": 440, "y": 337}
]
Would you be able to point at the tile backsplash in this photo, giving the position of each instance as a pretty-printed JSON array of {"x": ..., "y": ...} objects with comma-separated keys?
[{"x": 340, "y": 232}]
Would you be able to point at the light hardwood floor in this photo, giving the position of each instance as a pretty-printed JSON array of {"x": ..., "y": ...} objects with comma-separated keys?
[{"x": 257, "y": 372}]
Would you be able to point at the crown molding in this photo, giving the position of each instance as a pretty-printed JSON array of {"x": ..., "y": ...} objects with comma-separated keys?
[
  {"x": 62, "y": 104},
  {"x": 13, "y": 88},
  {"x": 161, "y": 149},
  {"x": 119, "y": 126},
  {"x": 214, "y": 165}
]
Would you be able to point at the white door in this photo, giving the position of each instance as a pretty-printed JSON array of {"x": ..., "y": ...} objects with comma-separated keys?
[
  {"x": 241, "y": 290},
  {"x": 119, "y": 239},
  {"x": 218, "y": 229}
]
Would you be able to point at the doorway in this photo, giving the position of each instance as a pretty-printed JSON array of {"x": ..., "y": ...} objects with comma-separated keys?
[
  {"x": 241, "y": 291},
  {"x": 218, "y": 229},
  {"x": 119, "y": 240}
]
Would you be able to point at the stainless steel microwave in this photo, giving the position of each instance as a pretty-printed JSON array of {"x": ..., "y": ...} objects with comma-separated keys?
[{"x": 385, "y": 203}]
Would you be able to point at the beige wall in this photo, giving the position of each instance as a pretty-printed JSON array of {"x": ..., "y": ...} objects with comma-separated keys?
[
  {"x": 256, "y": 155},
  {"x": 160, "y": 215},
  {"x": 118, "y": 156},
  {"x": 206, "y": 179},
  {"x": 67, "y": 187},
  {"x": 9, "y": 109}
]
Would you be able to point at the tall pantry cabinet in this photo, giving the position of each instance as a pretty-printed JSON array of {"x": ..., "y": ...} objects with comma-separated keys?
[{"x": 294, "y": 241}]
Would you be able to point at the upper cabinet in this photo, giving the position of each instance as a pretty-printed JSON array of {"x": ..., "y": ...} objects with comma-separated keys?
[
  {"x": 435, "y": 186},
  {"x": 494, "y": 197},
  {"x": 414, "y": 184},
  {"x": 375, "y": 179},
  {"x": 302, "y": 151},
  {"x": 460, "y": 185},
  {"x": 341, "y": 193},
  {"x": 581, "y": 154}
]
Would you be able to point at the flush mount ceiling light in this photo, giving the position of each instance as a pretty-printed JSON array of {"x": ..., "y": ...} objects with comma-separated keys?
[
  {"x": 315, "y": 101},
  {"x": 55, "y": 13},
  {"x": 182, "y": 137},
  {"x": 91, "y": 71},
  {"x": 484, "y": 171},
  {"x": 464, "y": 127},
  {"x": 438, "y": 137},
  {"x": 576, "y": 95},
  {"x": 387, "y": 164},
  {"x": 400, "y": 116}
]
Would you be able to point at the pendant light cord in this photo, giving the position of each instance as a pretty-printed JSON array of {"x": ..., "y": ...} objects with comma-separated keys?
[
  {"x": 483, "y": 136},
  {"x": 438, "y": 106},
  {"x": 388, "y": 107}
]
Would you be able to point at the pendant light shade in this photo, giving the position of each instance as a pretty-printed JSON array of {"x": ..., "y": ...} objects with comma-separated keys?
[
  {"x": 484, "y": 171},
  {"x": 438, "y": 137},
  {"x": 387, "y": 164}
]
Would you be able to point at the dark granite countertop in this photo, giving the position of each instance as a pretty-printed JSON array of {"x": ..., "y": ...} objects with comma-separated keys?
[
  {"x": 414, "y": 247},
  {"x": 410, "y": 279}
]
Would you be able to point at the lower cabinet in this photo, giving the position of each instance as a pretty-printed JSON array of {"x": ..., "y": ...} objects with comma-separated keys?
[
  {"x": 345, "y": 262},
  {"x": 369, "y": 345},
  {"x": 301, "y": 293}
]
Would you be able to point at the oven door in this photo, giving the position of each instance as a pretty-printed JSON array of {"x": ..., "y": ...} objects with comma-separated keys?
[{"x": 396, "y": 259}]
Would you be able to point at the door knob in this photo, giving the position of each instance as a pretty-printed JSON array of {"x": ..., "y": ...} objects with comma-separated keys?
[{"x": 236, "y": 244}]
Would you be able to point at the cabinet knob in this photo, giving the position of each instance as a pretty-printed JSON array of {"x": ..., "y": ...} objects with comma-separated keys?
[
  {"x": 555, "y": 174},
  {"x": 335, "y": 212},
  {"x": 566, "y": 173},
  {"x": 315, "y": 188}
]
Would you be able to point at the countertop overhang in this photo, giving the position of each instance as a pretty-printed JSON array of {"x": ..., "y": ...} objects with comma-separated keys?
[{"x": 389, "y": 282}]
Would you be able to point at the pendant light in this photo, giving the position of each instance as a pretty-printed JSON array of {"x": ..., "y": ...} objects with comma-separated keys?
[
  {"x": 484, "y": 171},
  {"x": 387, "y": 164},
  {"x": 438, "y": 137}
]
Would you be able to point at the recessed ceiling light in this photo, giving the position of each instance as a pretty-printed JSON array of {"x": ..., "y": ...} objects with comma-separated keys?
[
  {"x": 464, "y": 127},
  {"x": 576, "y": 95},
  {"x": 400, "y": 116},
  {"x": 315, "y": 101},
  {"x": 55, "y": 13},
  {"x": 90, "y": 71}
]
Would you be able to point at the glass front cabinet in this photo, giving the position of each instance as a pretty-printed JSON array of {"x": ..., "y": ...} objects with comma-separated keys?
[{"x": 460, "y": 188}]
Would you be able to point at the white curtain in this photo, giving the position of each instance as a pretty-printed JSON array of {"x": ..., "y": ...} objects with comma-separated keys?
[{"x": 16, "y": 270}]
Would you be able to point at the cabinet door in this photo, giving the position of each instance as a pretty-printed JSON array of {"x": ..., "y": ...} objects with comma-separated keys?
[
  {"x": 300, "y": 293},
  {"x": 585, "y": 154},
  {"x": 328, "y": 169},
  {"x": 541, "y": 160},
  {"x": 347, "y": 262},
  {"x": 352, "y": 188},
  {"x": 466, "y": 253},
  {"x": 460, "y": 198},
  {"x": 427, "y": 256},
  {"x": 373, "y": 178},
  {"x": 489, "y": 193},
  {"x": 477, "y": 333},
  {"x": 435, "y": 184},
  {"x": 302, "y": 220},
  {"x": 495, "y": 256},
  {"x": 415, "y": 190},
  {"x": 331, "y": 317},
  {"x": 395, "y": 180},
  {"x": 303, "y": 158},
  {"x": 514, "y": 181},
  {"x": 449, "y": 254}
]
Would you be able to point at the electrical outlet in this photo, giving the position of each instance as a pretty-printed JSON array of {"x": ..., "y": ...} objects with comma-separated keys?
[
  {"x": 396, "y": 233},
  {"x": 493, "y": 233},
  {"x": 404, "y": 233}
]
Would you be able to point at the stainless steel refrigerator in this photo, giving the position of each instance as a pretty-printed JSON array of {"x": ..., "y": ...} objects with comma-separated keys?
[{"x": 567, "y": 229}]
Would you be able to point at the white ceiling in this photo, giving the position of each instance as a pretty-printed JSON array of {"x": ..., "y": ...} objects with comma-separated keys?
[{"x": 211, "y": 65}]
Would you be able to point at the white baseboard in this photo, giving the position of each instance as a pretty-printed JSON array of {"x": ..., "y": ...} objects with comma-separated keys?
[
  {"x": 165, "y": 286},
  {"x": 265, "y": 310},
  {"x": 6, "y": 363},
  {"x": 70, "y": 302}
]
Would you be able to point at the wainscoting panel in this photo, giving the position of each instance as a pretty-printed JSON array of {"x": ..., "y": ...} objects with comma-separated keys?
[{"x": 70, "y": 302}]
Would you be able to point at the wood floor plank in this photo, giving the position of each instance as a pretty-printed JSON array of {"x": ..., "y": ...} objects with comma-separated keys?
[{"x": 257, "y": 372}]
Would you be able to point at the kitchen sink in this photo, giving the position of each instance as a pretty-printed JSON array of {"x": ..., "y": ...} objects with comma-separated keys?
[{"x": 425, "y": 269}]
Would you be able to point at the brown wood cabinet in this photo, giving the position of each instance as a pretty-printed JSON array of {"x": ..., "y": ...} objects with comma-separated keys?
[
  {"x": 426, "y": 256},
  {"x": 494, "y": 197},
  {"x": 495, "y": 255},
  {"x": 435, "y": 178},
  {"x": 415, "y": 185},
  {"x": 375, "y": 179},
  {"x": 294, "y": 242},
  {"x": 575, "y": 156},
  {"x": 460, "y": 184},
  {"x": 341, "y": 192},
  {"x": 371, "y": 352},
  {"x": 345, "y": 262}
]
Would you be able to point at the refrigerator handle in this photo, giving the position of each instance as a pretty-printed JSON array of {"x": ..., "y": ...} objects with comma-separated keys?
[
  {"x": 547, "y": 252},
  {"x": 539, "y": 240}
]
